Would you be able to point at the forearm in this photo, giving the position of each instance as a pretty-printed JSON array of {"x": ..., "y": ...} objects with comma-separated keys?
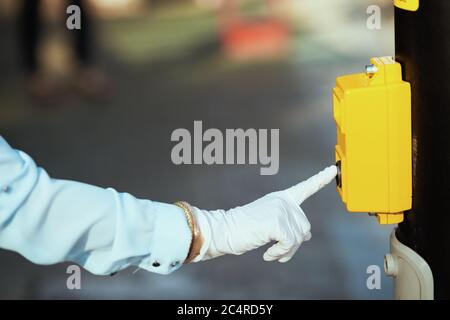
[{"x": 50, "y": 221}]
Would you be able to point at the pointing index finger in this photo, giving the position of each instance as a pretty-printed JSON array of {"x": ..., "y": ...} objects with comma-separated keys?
[{"x": 307, "y": 188}]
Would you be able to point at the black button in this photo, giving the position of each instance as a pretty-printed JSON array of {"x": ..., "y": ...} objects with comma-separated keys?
[{"x": 338, "y": 176}]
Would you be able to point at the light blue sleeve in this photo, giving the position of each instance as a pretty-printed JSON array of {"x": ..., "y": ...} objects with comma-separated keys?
[{"x": 49, "y": 221}]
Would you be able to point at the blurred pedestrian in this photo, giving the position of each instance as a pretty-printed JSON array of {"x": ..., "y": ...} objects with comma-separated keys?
[{"x": 87, "y": 78}]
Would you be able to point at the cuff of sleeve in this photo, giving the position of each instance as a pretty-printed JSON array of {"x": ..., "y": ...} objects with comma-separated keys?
[{"x": 170, "y": 241}]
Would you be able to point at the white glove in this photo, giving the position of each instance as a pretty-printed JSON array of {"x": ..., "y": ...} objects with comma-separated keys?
[{"x": 275, "y": 217}]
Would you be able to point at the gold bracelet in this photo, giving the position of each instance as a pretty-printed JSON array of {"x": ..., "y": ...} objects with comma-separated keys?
[{"x": 197, "y": 239}]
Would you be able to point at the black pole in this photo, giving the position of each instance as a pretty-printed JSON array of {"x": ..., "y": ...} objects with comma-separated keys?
[{"x": 423, "y": 48}]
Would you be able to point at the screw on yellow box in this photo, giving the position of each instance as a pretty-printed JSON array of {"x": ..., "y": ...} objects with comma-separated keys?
[{"x": 372, "y": 111}]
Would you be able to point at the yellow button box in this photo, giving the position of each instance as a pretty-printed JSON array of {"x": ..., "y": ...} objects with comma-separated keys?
[{"x": 372, "y": 111}]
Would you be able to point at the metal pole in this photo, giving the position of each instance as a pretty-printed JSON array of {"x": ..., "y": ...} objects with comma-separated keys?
[{"x": 423, "y": 48}]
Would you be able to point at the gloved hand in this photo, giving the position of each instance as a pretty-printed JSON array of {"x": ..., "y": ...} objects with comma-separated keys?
[{"x": 275, "y": 217}]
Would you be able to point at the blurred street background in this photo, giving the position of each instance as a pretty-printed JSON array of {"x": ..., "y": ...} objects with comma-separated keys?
[{"x": 150, "y": 67}]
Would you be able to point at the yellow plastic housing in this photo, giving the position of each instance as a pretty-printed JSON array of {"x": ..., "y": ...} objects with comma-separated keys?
[
  {"x": 410, "y": 5},
  {"x": 373, "y": 120}
]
